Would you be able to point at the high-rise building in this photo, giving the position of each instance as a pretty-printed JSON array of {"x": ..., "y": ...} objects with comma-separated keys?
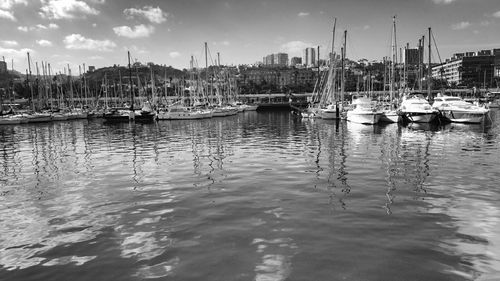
[
  {"x": 309, "y": 58},
  {"x": 413, "y": 57},
  {"x": 3, "y": 67},
  {"x": 281, "y": 59}
]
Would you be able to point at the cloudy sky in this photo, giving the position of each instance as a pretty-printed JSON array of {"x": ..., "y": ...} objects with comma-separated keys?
[{"x": 99, "y": 32}]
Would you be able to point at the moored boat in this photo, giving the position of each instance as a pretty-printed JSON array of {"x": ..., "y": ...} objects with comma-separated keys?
[
  {"x": 364, "y": 111},
  {"x": 417, "y": 109},
  {"x": 455, "y": 109}
]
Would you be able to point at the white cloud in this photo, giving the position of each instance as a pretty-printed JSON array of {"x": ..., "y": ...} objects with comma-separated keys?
[
  {"x": 366, "y": 27},
  {"x": 44, "y": 43},
  {"x": 66, "y": 9},
  {"x": 303, "y": 14},
  {"x": 96, "y": 58},
  {"x": 78, "y": 42},
  {"x": 497, "y": 14},
  {"x": 8, "y": 4},
  {"x": 154, "y": 15},
  {"x": 174, "y": 54},
  {"x": 15, "y": 54},
  {"x": 9, "y": 43},
  {"x": 460, "y": 25},
  {"x": 7, "y": 15},
  {"x": 443, "y": 2},
  {"x": 38, "y": 27},
  {"x": 137, "y": 31},
  {"x": 295, "y": 47}
]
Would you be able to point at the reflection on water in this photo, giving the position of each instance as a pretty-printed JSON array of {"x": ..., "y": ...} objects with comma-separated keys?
[{"x": 257, "y": 196}]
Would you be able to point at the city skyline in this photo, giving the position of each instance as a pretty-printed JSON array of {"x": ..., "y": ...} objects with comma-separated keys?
[{"x": 100, "y": 32}]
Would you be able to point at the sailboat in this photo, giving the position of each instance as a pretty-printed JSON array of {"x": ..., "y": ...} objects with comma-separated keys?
[
  {"x": 124, "y": 114},
  {"x": 414, "y": 107},
  {"x": 390, "y": 114}
]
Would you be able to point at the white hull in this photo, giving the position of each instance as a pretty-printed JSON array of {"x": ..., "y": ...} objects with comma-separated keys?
[
  {"x": 464, "y": 117},
  {"x": 186, "y": 115},
  {"x": 9, "y": 120},
  {"x": 419, "y": 117},
  {"x": 363, "y": 117},
  {"x": 390, "y": 116},
  {"x": 251, "y": 107}
]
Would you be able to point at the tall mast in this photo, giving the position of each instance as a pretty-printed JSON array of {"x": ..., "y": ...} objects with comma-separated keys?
[
  {"x": 28, "y": 74},
  {"x": 393, "y": 59},
  {"x": 130, "y": 82},
  {"x": 429, "y": 69},
  {"x": 342, "y": 82},
  {"x": 206, "y": 70},
  {"x": 333, "y": 39}
]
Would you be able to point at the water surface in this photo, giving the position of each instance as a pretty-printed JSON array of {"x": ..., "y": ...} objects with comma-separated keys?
[{"x": 257, "y": 196}]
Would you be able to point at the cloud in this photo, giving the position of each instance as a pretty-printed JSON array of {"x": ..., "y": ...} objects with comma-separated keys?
[
  {"x": 44, "y": 43},
  {"x": 303, "y": 14},
  {"x": 136, "y": 50},
  {"x": 366, "y": 27},
  {"x": 78, "y": 42},
  {"x": 66, "y": 9},
  {"x": 7, "y": 15},
  {"x": 9, "y": 43},
  {"x": 174, "y": 54},
  {"x": 38, "y": 27},
  {"x": 443, "y": 2},
  {"x": 460, "y": 25},
  {"x": 8, "y": 4},
  {"x": 154, "y": 15},
  {"x": 16, "y": 54},
  {"x": 137, "y": 31},
  {"x": 295, "y": 47},
  {"x": 497, "y": 14}
]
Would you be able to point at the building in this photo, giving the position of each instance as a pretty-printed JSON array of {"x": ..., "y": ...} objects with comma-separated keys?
[
  {"x": 413, "y": 57},
  {"x": 279, "y": 59},
  {"x": 295, "y": 61},
  {"x": 3, "y": 67},
  {"x": 470, "y": 69},
  {"x": 496, "y": 60},
  {"x": 309, "y": 58}
]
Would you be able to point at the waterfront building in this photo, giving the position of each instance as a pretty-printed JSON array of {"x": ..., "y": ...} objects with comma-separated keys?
[
  {"x": 470, "y": 68},
  {"x": 309, "y": 58}
]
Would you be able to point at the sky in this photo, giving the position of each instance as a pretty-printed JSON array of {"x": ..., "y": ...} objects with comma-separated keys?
[{"x": 169, "y": 32}]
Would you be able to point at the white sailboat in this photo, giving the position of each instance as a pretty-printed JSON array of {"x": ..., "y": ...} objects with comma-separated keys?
[{"x": 390, "y": 113}]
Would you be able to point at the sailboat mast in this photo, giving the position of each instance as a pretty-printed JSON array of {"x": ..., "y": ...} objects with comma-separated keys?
[
  {"x": 130, "y": 82},
  {"x": 28, "y": 74},
  {"x": 342, "y": 80},
  {"x": 429, "y": 69}
]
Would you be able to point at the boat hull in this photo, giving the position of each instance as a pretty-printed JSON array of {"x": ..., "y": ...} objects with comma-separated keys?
[
  {"x": 363, "y": 118},
  {"x": 390, "y": 117},
  {"x": 463, "y": 116},
  {"x": 420, "y": 117}
]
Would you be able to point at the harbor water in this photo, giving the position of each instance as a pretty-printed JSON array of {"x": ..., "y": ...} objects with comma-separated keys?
[{"x": 255, "y": 196}]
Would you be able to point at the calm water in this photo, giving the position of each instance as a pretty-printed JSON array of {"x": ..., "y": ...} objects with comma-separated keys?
[{"x": 258, "y": 196}]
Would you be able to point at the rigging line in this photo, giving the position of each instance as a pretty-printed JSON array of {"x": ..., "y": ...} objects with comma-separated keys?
[{"x": 435, "y": 45}]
